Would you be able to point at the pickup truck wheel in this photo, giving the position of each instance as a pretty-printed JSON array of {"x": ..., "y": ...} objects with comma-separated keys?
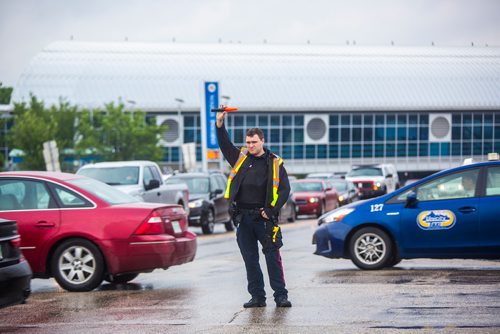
[
  {"x": 208, "y": 224},
  {"x": 229, "y": 225}
]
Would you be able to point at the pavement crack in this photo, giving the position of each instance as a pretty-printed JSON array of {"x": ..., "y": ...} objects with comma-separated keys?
[{"x": 236, "y": 315}]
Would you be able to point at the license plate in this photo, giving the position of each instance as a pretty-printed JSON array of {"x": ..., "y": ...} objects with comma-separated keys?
[{"x": 176, "y": 226}]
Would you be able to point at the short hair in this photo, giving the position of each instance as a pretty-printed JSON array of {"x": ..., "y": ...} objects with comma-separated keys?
[{"x": 255, "y": 131}]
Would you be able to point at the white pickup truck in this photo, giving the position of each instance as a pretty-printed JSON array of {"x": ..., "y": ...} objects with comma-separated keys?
[{"x": 141, "y": 179}]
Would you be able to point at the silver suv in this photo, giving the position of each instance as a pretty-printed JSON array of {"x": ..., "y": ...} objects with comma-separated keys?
[{"x": 374, "y": 180}]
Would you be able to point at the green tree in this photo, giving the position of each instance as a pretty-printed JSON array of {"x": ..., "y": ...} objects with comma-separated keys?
[
  {"x": 5, "y": 94},
  {"x": 32, "y": 127}
]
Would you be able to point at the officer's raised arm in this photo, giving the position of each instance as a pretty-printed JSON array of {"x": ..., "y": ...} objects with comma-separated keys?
[{"x": 230, "y": 152}]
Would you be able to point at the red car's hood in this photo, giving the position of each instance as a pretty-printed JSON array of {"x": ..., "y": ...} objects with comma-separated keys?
[{"x": 303, "y": 194}]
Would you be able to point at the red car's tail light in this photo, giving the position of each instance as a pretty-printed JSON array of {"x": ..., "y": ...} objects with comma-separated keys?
[{"x": 152, "y": 225}]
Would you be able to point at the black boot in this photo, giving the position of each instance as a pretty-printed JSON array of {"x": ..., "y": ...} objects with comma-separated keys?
[
  {"x": 283, "y": 301},
  {"x": 255, "y": 302}
]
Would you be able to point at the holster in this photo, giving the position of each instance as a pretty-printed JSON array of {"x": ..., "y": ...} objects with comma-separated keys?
[{"x": 235, "y": 214}]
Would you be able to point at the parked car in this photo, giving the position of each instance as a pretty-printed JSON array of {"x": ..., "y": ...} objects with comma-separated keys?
[
  {"x": 451, "y": 214},
  {"x": 374, "y": 180},
  {"x": 141, "y": 179},
  {"x": 15, "y": 272},
  {"x": 288, "y": 212},
  {"x": 346, "y": 190},
  {"x": 81, "y": 231},
  {"x": 207, "y": 203},
  {"x": 314, "y": 196}
]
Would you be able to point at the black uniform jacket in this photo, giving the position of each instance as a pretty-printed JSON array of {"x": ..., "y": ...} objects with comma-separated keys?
[{"x": 231, "y": 153}]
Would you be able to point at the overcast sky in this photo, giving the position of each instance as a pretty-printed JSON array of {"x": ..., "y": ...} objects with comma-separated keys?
[{"x": 27, "y": 26}]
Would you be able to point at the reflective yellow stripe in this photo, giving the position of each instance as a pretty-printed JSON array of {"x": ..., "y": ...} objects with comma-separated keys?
[
  {"x": 276, "y": 178},
  {"x": 237, "y": 166}
]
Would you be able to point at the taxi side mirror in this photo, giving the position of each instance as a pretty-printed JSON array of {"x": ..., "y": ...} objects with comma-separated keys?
[{"x": 411, "y": 200}]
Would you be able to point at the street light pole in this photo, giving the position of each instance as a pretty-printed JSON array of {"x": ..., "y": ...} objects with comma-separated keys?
[{"x": 179, "y": 109}]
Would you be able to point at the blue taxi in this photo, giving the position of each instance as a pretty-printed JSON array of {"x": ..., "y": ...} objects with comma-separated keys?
[{"x": 451, "y": 214}]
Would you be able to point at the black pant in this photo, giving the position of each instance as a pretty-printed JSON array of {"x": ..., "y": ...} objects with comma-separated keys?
[{"x": 250, "y": 230}]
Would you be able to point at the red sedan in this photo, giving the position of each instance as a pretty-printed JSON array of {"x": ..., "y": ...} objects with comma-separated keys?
[
  {"x": 82, "y": 231},
  {"x": 314, "y": 197}
]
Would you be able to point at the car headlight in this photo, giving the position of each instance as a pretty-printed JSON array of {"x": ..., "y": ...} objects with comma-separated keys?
[
  {"x": 313, "y": 200},
  {"x": 196, "y": 204},
  {"x": 341, "y": 198},
  {"x": 336, "y": 215}
]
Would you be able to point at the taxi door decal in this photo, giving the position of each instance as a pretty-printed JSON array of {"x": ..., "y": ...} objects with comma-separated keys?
[{"x": 436, "y": 220}]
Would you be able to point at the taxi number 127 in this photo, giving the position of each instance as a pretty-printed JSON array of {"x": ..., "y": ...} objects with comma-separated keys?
[{"x": 376, "y": 207}]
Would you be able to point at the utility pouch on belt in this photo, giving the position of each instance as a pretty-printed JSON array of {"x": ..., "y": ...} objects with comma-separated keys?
[
  {"x": 235, "y": 214},
  {"x": 273, "y": 234}
]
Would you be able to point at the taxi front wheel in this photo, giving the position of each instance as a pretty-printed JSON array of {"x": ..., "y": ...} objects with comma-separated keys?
[{"x": 370, "y": 248}]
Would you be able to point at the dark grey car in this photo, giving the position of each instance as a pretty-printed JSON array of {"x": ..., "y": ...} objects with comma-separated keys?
[
  {"x": 207, "y": 205},
  {"x": 15, "y": 272}
]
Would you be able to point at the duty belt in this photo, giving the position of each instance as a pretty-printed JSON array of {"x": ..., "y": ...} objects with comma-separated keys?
[{"x": 255, "y": 211}]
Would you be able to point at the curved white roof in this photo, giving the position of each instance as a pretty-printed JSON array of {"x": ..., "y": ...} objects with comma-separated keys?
[{"x": 265, "y": 77}]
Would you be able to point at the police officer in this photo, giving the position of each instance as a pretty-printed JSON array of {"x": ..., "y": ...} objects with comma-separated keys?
[{"x": 257, "y": 189}]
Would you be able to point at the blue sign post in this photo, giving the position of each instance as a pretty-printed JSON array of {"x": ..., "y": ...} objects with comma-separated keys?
[{"x": 211, "y": 102}]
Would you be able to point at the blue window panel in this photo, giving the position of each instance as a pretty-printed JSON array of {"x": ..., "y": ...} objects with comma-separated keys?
[
  {"x": 286, "y": 152},
  {"x": 413, "y": 119},
  {"x": 266, "y": 132},
  {"x": 238, "y": 120},
  {"x": 445, "y": 149},
  {"x": 286, "y": 135},
  {"x": 423, "y": 149},
  {"x": 229, "y": 121},
  {"x": 368, "y": 134},
  {"x": 189, "y": 121},
  {"x": 345, "y": 135},
  {"x": 402, "y": 120},
  {"x": 478, "y": 148},
  {"x": 401, "y": 150},
  {"x": 345, "y": 151},
  {"x": 467, "y": 119},
  {"x": 434, "y": 149},
  {"x": 391, "y": 120},
  {"x": 412, "y": 133},
  {"x": 478, "y": 132},
  {"x": 345, "y": 120},
  {"x": 333, "y": 135},
  {"x": 368, "y": 150},
  {"x": 287, "y": 120},
  {"x": 412, "y": 150},
  {"x": 239, "y": 136},
  {"x": 310, "y": 151},
  {"x": 488, "y": 132},
  {"x": 322, "y": 151},
  {"x": 356, "y": 134},
  {"x": 497, "y": 118},
  {"x": 379, "y": 150},
  {"x": 467, "y": 132},
  {"x": 456, "y": 148},
  {"x": 198, "y": 136},
  {"x": 368, "y": 119},
  {"x": 174, "y": 154},
  {"x": 189, "y": 135},
  {"x": 379, "y": 120},
  {"x": 401, "y": 133},
  {"x": 275, "y": 121},
  {"x": 298, "y": 151},
  {"x": 333, "y": 151},
  {"x": 298, "y": 135},
  {"x": 251, "y": 121},
  {"x": 299, "y": 120},
  {"x": 487, "y": 147},
  {"x": 356, "y": 151},
  {"x": 456, "y": 119},
  {"x": 456, "y": 133},
  {"x": 198, "y": 153},
  {"x": 390, "y": 150},
  {"x": 334, "y": 120},
  {"x": 275, "y": 149},
  {"x": 379, "y": 133},
  {"x": 497, "y": 131},
  {"x": 424, "y": 120},
  {"x": 478, "y": 119},
  {"x": 275, "y": 135},
  {"x": 466, "y": 148},
  {"x": 424, "y": 133},
  {"x": 390, "y": 134},
  {"x": 263, "y": 121},
  {"x": 488, "y": 119},
  {"x": 356, "y": 120},
  {"x": 497, "y": 147}
]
